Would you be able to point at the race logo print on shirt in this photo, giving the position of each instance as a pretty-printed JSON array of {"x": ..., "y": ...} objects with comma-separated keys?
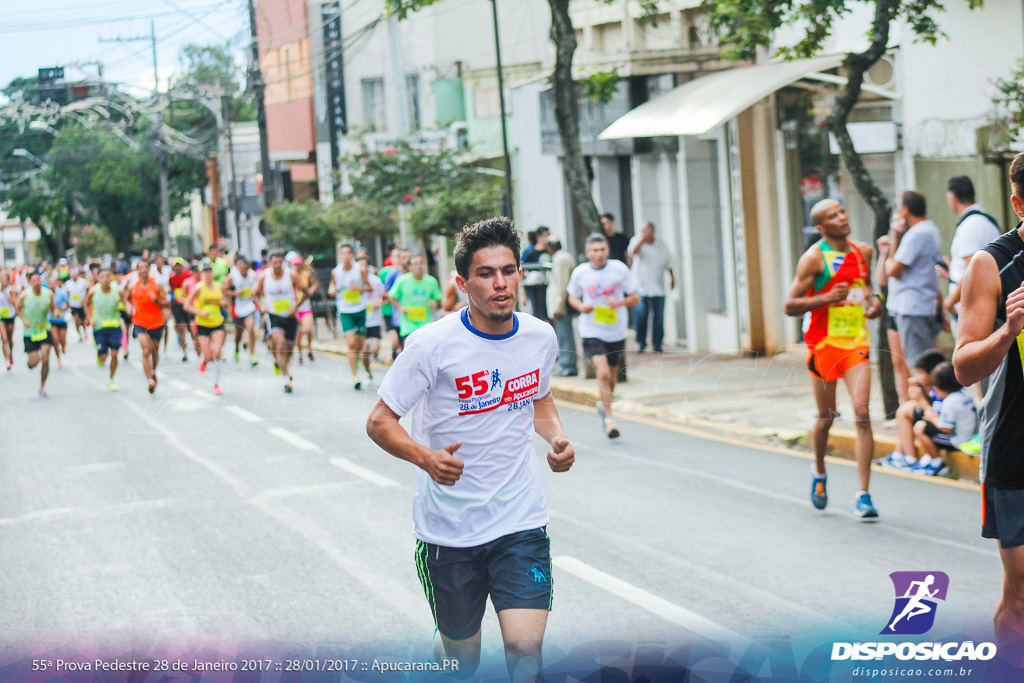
[{"x": 484, "y": 391}]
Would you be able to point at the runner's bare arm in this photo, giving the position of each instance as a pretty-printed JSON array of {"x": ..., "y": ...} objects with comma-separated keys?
[
  {"x": 298, "y": 286},
  {"x": 161, "y": 296},
  {"x": 578, "y": 304},
  {"x": 257, "y": 293},
  {"x": 384, "y": 429},
  {"x": 979, "y": 350},
  {"x": 874, "y": 302},
  {"x": 190, "y": 302},
  {"x": 798, "y": 302},
  {"x": 87, "y": 304},
  {"x": 548, "y": 425},
  {"x": 332, "y": 289}
]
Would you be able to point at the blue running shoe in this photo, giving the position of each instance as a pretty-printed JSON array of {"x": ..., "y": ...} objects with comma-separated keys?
[
  {"x": 819, "y": 496},
  {"x": 935, "y": 468},
  {"x": 864, "y": 508},
  {"x": 896, "y": 461}
]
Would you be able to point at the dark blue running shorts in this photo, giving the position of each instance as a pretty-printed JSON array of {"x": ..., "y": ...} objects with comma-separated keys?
[
  {"x": 107, "y": 339},
  {"x": 515, "y": 570}
]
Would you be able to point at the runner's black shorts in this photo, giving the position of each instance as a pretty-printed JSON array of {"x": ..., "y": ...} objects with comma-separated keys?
[
  {"x": 203, "y": 331},
  {"x": 615, "y": 352},
  {"x": 59, "y": 324},
  {"x": 181, "y": 316},
  {"x": 239, "y": 321},
  {"x": 288, "y": 325},
  {"x": 373, "y": 332},
  {"x": 1002, "y": 515},
  {"x": 514, "y": 570},
  {"x": 78, "y": 313},
  {"x": 33, "y": 346},
  {"x": 940, "y": 438},
  {"x": 156, "y": 333}
]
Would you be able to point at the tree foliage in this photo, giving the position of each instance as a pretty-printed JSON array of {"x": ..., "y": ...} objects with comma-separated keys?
[
  {"x": 1009, "y": 102},
  {"x": 91, "y": 241},
  {"x": 311, "y": 228}
]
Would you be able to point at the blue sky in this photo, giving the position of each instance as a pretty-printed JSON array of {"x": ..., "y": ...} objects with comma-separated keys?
[{"x": 44, "y": 33}]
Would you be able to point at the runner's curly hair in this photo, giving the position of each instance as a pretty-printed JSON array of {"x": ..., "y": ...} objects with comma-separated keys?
[{"x": 492, "y": 232}]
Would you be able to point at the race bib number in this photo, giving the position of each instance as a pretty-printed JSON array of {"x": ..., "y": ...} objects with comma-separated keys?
[
  {"x": 282, "y": 306},
  {"x": 605, "y": 316},
  {"x": 245, "y": 293},
  {"x": 212, "y": 309},
  {"x": 113, "y": 322},
  {"x": 6, "y": 312},
  {"x": 38, "y": 335},
  {"x": 371, "y": 307},
  {"x": 845, "y": 320},
  {"x": 417, "y": 314},
  {"x": 179, "y": 293},
  {"x": 76, "y": 297},
  {"x": 351, "y": 296}
]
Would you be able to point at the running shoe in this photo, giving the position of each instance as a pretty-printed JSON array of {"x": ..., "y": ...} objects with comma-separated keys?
[
  {"x": 896, "y": 461},
  {"x": 152, "y": 386},
  {"x": 864, "y": 507},
  {"x": 202, "y": 365},
  {"x": 216, "y": 390},
  {"x": 277, "y": 370},
  {"x": 245, "y": 346},
  {"x": 356, "y": 384},
  {"x": 125, "y": 356},
  {"x": 184, "y": 358},
  {"x": 111, "y": 386},
  {"x": 10, "y": 365},
  {"x": 936, "y": 468},
  {"x": 288, "y": 388},
  {"x": 99, "y": 361},
  {"x": 42, "y": 392},
  {"x": 819, "y": 494},
  {"x": 253, "y": 362},
  {"x": 921, "y": 464},
  {"x": 972, "y": 447},
  {"x": 369, "y": 378},
  {"x": 311, "y": 358},
  {"x": 610, "y": 429},
  {"x": 300, "y": 358},
  {"x": 236, "y": 356},
  {"x": 60, "y": 365}
]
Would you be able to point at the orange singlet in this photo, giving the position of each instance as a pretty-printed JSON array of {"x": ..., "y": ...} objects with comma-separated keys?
[{"x": 147, "y": 312}]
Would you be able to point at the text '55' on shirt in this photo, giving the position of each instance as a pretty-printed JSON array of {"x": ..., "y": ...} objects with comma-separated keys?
[{"x": 459, "y": 384}]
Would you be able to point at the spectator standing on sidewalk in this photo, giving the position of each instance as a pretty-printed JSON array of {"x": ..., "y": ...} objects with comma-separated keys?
[
  {"x": 649, "y": 259},
  {"x": 536, "y": 281},
  {"x": 618, "y": 243},
  {"x": 910, "y": 258},
  {"x": 974, "y": 231},
  {"x": 602, "y": 290},
  {"x": 561, "y": 313}
]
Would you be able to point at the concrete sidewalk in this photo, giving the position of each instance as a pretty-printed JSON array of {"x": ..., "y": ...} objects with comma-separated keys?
[{"x": 767, "y": 399}]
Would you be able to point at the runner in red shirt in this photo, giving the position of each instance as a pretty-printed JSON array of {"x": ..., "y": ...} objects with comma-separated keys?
[{"x": 148, "y": 298}]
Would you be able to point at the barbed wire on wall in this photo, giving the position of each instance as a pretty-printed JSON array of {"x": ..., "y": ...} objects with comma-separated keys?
[{"x": 945, "y": 138}]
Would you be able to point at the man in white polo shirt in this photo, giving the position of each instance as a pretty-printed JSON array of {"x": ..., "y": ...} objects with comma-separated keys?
[
  {"x": 476, "y": 387},
  {"x": 974, "y": 230},
  {"x": 601, "y": 291}
]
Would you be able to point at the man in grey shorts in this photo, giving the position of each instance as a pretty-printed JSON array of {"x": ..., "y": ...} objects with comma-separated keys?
[{"x": 910, "y": 258}]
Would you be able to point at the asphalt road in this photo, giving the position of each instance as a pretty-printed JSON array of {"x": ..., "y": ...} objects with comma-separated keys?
[{"x": 259, "y": 517}]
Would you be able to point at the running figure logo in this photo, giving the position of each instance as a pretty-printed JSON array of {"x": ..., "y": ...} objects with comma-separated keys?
[
  {"x": 916, "y": 595},
  {"x": 495, "y": 379}
]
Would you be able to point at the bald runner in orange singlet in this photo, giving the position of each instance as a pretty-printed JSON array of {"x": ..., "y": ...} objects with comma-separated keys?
[
  {"x": 833, "y": 285},
  {"x": 148, "y": 299}
]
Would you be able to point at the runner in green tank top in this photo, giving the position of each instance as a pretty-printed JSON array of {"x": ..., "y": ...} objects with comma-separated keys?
[
  {"x": 34, "y": 309},
  {"x": 103, "y": 306}
]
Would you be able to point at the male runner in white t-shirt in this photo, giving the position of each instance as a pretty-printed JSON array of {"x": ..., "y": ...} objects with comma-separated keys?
[
  {"x": 348, "y": 285},
  {"x": 601, "y": 291},
  {"x": 476, "y": 384}
]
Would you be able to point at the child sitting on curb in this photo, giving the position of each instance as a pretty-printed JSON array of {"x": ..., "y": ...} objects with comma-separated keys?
[
  {"x": 956, "y": 423},
  {"x": 921, "y": 396}
]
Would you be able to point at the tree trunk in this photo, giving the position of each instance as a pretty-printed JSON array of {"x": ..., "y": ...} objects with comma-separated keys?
[
  {"x": 857, "y": 65},
  {"x": 568, "y": 116}
]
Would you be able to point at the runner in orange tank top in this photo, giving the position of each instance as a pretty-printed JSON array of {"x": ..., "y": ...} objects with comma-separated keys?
[
  {"x": 148, "y": 299},
  {"x": 833, "y": 285}
]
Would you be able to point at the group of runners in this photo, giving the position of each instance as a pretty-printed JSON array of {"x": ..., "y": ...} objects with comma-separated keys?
[{"x": 111, "y": 304}]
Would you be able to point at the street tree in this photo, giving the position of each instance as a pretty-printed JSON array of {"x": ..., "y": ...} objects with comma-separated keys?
[
  {"x": 749, "y": 26},
  {"x": 566, "y": 93}
]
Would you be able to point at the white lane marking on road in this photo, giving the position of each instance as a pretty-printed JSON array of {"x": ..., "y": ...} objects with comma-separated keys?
[
  {"x": 360, "y": 471},
  {"x": 244, "y": 414},
  {"x": 311, "y": 489},
  {"x": 101, "y": 511},
  {"x": 179, "y": 385},
  {"x": 202, "y": 395},
  {"x": 621, "y": 455},
  {"x": 294, "y": 439},
  {"x": 648, "y": 601},
  {"x": 96, "y": 468},
  {"x": 236, "y": 484}
]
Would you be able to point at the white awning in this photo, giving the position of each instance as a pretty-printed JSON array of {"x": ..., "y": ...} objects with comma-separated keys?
[{"x": 696, "y": 107}]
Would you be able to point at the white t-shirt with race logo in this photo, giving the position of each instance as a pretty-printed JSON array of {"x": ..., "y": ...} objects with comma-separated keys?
[
  {"x": 76, "y": 289},
  {"x": 596, "y": 287},
  {"x": 458, "y": 384},
  {"x": 243, "y": 284},
  {"x": 348, "y": 301},
  {"x": 373, "y": 300}
]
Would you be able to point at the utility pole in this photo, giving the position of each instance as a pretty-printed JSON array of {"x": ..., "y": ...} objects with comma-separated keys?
[
  {"x": 165, "y": 200},
  {"x": 256, "y": 78},
  {"x": 504, "y": 125},
  {"x": 225, "y": 103}
]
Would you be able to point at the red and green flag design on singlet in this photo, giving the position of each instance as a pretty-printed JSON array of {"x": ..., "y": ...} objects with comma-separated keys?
[{"x": 840, "y": 325}]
